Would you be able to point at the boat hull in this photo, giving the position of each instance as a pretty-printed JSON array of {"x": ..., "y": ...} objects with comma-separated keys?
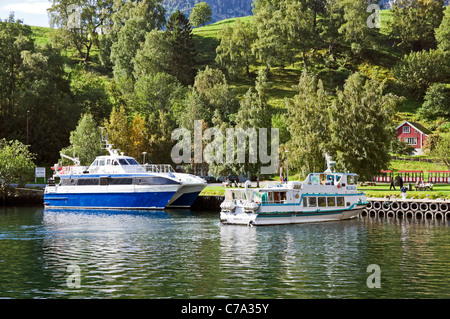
[
  {"x": 124, "y": 200},
  {"x": 260, "y": 219},
  {"x": 186, "y": 196}
]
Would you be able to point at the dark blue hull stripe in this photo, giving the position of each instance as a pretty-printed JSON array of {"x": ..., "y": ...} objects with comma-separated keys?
[
  {"x": 185, "y": 200},
  {"x": 150, "y": 200}
]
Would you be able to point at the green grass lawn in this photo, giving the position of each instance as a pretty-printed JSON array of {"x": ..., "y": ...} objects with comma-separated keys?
[{"x": 382, "y": 190}]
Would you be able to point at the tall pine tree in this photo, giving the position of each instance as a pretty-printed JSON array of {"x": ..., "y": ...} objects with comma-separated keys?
[{"x": 179, "y": 33}]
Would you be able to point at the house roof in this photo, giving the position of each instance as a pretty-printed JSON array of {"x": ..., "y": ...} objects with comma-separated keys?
[{"x": 417, "y": 126}]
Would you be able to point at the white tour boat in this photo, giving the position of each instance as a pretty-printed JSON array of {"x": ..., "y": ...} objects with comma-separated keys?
[
  {"x": 327, "y": 196},
  {"x": 116, "y": 181}
]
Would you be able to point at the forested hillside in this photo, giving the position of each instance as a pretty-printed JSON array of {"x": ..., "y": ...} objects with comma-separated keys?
[{"x": 314, "y": 69}]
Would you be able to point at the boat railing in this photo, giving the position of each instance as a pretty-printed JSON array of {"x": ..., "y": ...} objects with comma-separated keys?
[
  {"x": 159, "y": 168},
  {"x": 71, "y": 169}
]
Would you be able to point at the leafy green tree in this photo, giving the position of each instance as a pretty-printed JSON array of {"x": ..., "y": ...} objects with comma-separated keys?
[
  {"x": 213, "y": 88},
  {"x": 436, "y": 102},
  {"x": 34, "y": 89},
  {"x": 159, "y": 92},
  {"x": 354, "y": 29},
  {"x": 179, "y": 33},
  {"x": 201, "y": 14},
  {"x": 308, "y": 124},
  {"x": 443, "y": 32},
  {"x": 138, "y": 137},
  {"x": 79, "y": 22},
  {"x": 270, "y": 45},
  {"x": 91, "y": 94},
  {"x": 418, "y": 70},
  {"x": 118, "y": 130},
  {"x": 361, "y": 127},
  {"x": 414, "y": 21},
  {"x": 85, "y": 141},
  {"x": 160, "y": 137},
  {"x": 14, "y": 39},
  {"x": 235, "y": 49},
  {"x": 132, "y": 24},
  {"x": 442, "y": 148},
  {"x": 16, "y": 162},
  {"x": 194, "y": 109},
  {"x": 154, "y": 56},
  {"x": 295, "y": 19},
  {"x": 329, "y": 25},
  {"x": 254, "y": 113}
]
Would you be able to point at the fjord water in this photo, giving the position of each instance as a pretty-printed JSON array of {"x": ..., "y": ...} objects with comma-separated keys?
[{"x": 182, "y": 254}]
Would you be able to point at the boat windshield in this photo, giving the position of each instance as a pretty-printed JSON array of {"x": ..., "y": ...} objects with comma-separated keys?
[
  {"x": 132, "y": 161},
  {"x": 123, "y": 161}
]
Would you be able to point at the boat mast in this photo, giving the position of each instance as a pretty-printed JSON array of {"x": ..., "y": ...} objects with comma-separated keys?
[
  {"x": 104, "y": 143},
  {"x": 330, "y": 163}
]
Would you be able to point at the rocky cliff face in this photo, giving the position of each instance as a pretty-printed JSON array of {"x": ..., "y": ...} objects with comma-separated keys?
[{"x": 221, "y": 9}]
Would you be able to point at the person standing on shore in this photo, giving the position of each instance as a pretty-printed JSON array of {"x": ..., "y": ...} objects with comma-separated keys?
[
  {"x": 403, "y": 191},
  {"x": 392, "y": 184}
]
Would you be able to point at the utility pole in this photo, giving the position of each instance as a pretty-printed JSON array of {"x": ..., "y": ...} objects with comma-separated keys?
[{"x": 28, "y": 114}]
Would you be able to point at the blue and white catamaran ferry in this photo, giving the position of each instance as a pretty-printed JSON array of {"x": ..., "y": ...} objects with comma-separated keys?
[
  {"x": 116, "y": 181},
  {"x": 327, "y": 196}
]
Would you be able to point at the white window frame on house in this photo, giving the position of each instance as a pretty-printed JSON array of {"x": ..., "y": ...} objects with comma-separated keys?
[
  {"x": 406, "y": 129},
  {"x": 411, "y": 141}
]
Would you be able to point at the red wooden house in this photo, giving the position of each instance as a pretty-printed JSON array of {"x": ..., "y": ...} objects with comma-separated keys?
[{"x": 413, "y": 134}]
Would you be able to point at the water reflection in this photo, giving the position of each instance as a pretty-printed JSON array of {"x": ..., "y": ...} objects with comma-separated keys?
[{"x": 182, "y": 254}]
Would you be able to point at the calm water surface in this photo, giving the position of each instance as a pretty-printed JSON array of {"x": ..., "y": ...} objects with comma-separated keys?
[{"x": 181, "y": 254}]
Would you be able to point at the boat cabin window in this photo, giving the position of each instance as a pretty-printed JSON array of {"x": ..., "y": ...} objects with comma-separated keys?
[
  {"x": 257, "y": 197},
  {"x": 331, "y": 201},
  {"x": 322, "y": 201},
  {"x": 123, "y": 161},
  {"x": 273, "y": 197},
  {"x": 312, "y": 202},
  {"x": 352, "y": 179},
  {"x": 95, "y": 163},
  {"x": 314, "y": 179},
  {"x": 102, "y": 162},
  {"x": 87, "y": 181},
  {"x": 340, "y": 201},
  {"x": 115, "y": 162}
]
